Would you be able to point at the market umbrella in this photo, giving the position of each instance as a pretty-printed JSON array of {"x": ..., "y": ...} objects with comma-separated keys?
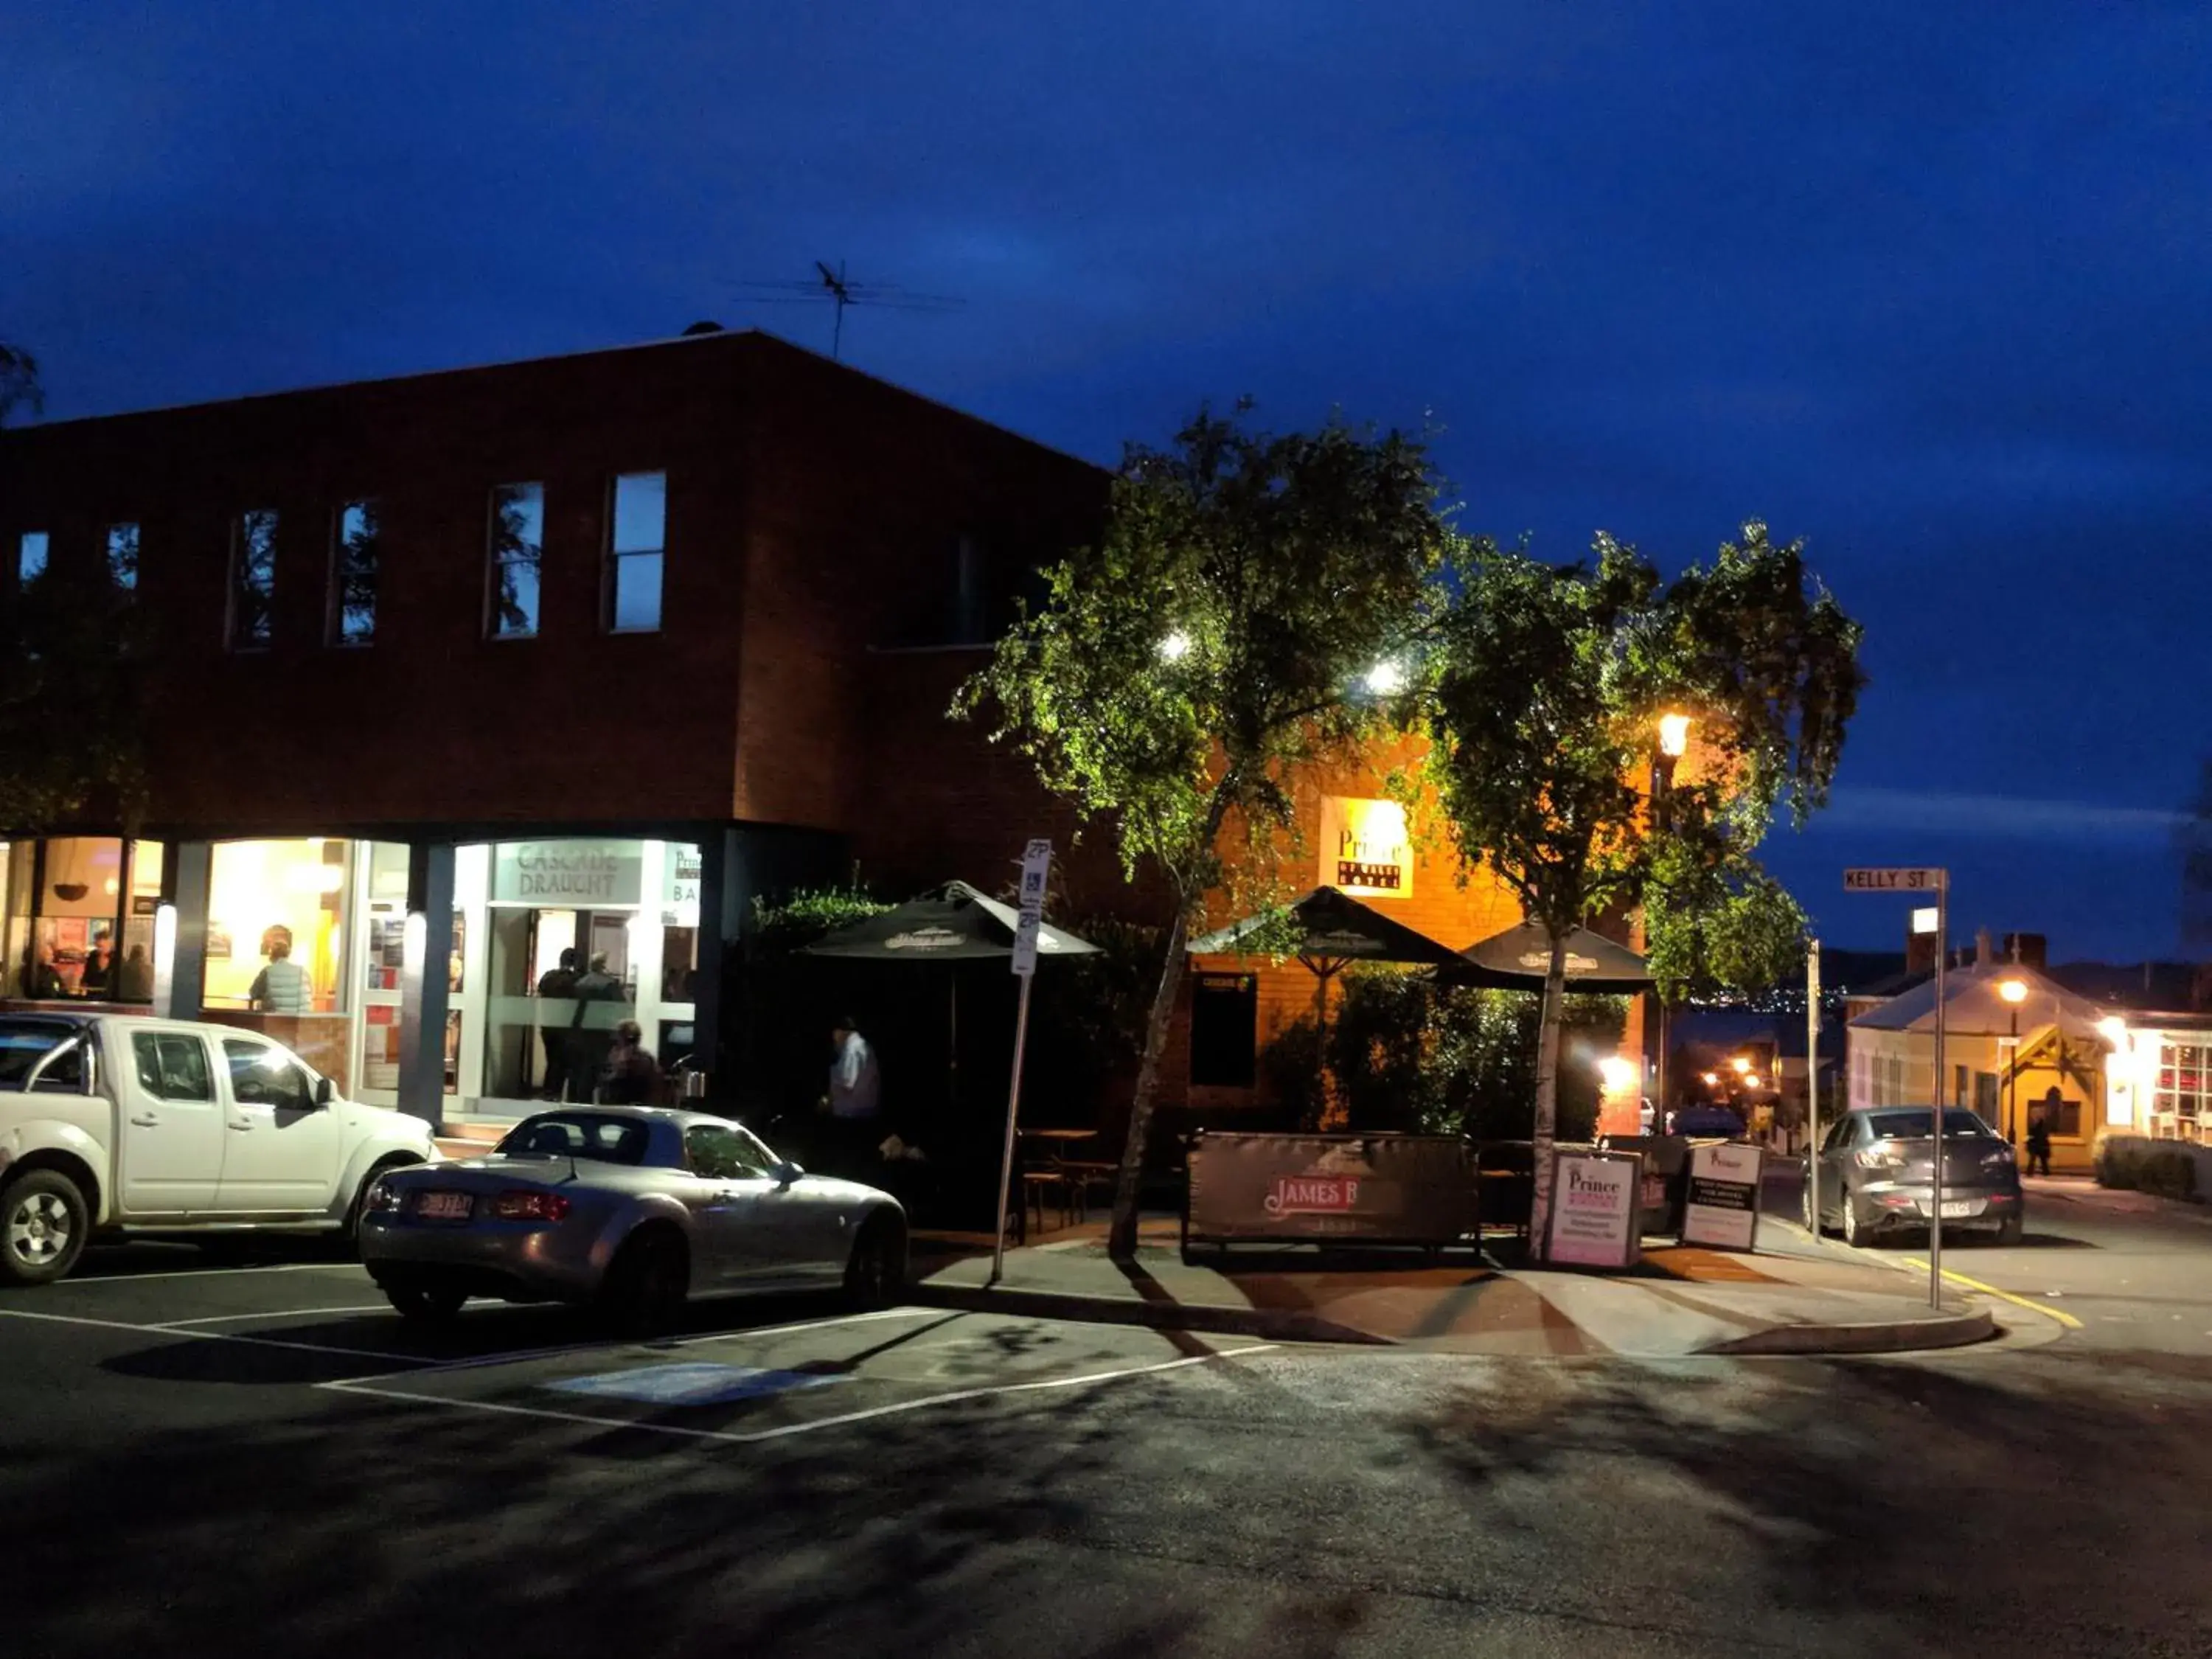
[
  {"x": 1326, "y": 930},
  {"x": 951, "y": 923},
  {"x": 1518, "y": 958}
]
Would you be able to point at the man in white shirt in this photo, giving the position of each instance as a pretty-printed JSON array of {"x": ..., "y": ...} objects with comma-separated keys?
[
  {"x": 283, "y": 986},
  {"x": 854, "y": 1082}
]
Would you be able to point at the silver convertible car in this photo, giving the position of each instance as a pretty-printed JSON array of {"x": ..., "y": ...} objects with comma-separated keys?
[{"x": 630, "y": 1209}]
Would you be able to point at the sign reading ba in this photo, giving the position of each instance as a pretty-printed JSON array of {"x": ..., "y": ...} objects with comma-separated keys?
[{"x": 1893, "y": 881}]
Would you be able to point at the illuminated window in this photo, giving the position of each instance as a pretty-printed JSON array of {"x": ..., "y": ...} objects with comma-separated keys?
[
  {"x": 253, "y": 581},
  {"x": 353, "y": 555},
  {"x": 123, "y": 555},
  {"x": 634, "y": 548},
  {"x": 264, "y": 894},
  {"x": 517, "y": 555},
  {"x": 30, "y": 557}
]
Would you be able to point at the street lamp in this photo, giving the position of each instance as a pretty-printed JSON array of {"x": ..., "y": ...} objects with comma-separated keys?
[{"x": 2014, "y": 992}]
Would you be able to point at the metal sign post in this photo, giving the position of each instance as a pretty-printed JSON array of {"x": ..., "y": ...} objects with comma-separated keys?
[
  {"x": 1813, "y": 1084},
  {"x": 1037, "y": 865},
  {"x": 1937, "y": 882}
]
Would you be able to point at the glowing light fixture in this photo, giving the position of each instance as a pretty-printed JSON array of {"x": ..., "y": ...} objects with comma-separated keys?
[
  {"x": 1176, "y": 646},
  {"x": 1739, "y": 1064},
  {"x": 1712, "y": 1079},
  {"x": 1674, "y": 735},
  {"x": 2014, "y": 991},
  {"x": 2114, "y": 1030},
  {"x": 1615, "y": 1073}
]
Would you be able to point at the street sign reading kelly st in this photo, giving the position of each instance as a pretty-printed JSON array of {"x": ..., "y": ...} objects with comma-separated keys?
[{"x": 1893, "y": 881}]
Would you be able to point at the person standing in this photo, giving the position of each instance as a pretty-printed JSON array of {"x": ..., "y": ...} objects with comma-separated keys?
[
  {"x": 855, "y": 1086},
  {"x": 134, "y": 977},
  {"x": 557, "y": 984},
  {"x": 283, "y": 986},
  {"x": 99, "y": 967},
  {"x": 2040, "y": 1117},
  {"x": 588, "y": 1044}
]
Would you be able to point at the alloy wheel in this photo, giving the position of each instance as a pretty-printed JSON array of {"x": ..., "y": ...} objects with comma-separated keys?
[{"x": 38, "y": 1229}]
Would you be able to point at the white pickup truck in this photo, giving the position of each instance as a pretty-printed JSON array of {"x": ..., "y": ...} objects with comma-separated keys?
[{"x": 112, "y": 1123}]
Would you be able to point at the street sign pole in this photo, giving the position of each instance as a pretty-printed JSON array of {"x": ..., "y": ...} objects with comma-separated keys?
[
  {"x": 1938, "y": 882},
  {"x": 1813, "y": 1084},
  {"x": 1935, "y": 1220},
  {"x": 1036, "y": 867}
]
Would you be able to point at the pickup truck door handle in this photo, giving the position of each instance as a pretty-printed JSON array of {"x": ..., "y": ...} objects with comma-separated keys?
[
  {"x": 242, "y": 1127},
  {"x": 146, "y": 1122}
]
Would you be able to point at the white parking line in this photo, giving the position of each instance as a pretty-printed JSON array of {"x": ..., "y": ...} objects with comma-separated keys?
[
  {"x": 212, "y": 1336},
  {"x": 286, "y": 1312},
  {"x": 371, "y": 1387},
  {"x": 209, "y": 1272}
]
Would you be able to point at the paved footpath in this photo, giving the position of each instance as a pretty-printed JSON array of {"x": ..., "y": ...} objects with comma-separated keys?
[{"x": 1794, "y": 1296}]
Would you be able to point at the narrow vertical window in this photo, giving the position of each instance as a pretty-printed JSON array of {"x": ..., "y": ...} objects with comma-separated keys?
[
  {"x": 123, "y": 555},
  {"x": 518, "y": 550},
  {"x": 354, "y": 558},
  {"x": 635, "y": 551},
  {"x": 253, "y": 581},
  {"x": 31, "y": 557}
]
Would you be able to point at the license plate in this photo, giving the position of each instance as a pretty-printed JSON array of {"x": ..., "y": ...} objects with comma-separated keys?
[
  {"x": 456, "y": 1206},
  {"x": 1961, "y": 1206}
]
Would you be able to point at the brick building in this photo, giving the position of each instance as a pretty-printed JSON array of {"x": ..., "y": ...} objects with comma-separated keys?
[{"x": 460, "y": 670}]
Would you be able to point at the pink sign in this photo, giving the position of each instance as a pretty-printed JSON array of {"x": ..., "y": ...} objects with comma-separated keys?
[{"x": 1594, "y": 1209}]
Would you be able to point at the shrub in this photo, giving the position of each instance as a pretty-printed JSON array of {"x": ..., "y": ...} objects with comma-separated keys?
[{"x": 2163, "y": 1171}]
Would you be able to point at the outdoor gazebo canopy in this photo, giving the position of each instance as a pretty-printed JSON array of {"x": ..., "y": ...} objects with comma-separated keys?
[{"x": 1519, "y": 958}]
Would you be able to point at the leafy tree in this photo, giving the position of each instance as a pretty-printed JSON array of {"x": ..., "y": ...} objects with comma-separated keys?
[
  {"x": 20, "y": 386},
  {"x": 1546, "y": 687},
  {"x": 1217, "y": 638}
]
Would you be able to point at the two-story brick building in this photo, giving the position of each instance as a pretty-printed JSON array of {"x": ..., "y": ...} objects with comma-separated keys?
[{"x": 460, "y": 670}]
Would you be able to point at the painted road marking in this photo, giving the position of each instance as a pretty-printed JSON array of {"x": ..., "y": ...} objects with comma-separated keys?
[
  {"x": 693, "y": 1384},
  {"x": 209, "y": 1272},
  {"x": 2047, "y": 1311},
  {"x": 214, "y": 1336},
  {"x": 288, "y": 1313},
  {"x": 376, "y": 1390}
]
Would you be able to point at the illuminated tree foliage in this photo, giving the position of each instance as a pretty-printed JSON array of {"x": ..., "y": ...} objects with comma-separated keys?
[{"x": 1219, "y": 635}]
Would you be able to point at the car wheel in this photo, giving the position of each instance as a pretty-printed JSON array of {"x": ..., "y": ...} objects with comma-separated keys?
[
  {"x": 877, "y": 1271},
  {"x": 424, "y": 1305},
  {"x": 646, "y": 1284},
  {"x": 1805, "y": 1210},
  {"x": 1852, "y": 1237},
  {"x": 42, "y": 1222},
  {"x": 349, "y": 1235},
  {"x": 2010, "y": 1228}
]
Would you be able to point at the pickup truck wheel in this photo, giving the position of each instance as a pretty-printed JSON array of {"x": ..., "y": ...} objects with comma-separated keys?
[
  {"x": 43, "y": 1223},
  {"x": 349, "y": 1234},
  {"x": 425, "y": 1306}
]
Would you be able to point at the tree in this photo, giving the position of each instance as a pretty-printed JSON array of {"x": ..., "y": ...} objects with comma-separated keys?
[
  {"x": 19, "y": 382},
  {"x": 1546, "y": 689},
  {"x": 1217, "y": 637}
]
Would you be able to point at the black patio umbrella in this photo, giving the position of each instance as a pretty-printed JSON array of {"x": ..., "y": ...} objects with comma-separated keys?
[
  {"x": 951, "y": 923},
  {"x": 1326, "y": 930},
  {"x": 1518, "y": 958}
]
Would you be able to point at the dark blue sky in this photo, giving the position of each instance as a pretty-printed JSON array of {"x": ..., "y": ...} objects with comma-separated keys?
[{"x": 1923, "y": 283}]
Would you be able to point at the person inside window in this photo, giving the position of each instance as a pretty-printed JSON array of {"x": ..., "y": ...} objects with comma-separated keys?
[
  {"x": 631, "y": 1076},
  {"x": 134, "y": 976},
  {"x": 283, "y": 986},
  {"x": 44, "y": 982},
  {"x": 98, "y": 967},
  {"x": 558, "y": 985}
]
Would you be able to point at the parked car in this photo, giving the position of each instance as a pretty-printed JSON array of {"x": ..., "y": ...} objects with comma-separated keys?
[
  {"x": 112, "y": 1123},
  {"x": 1877, "y": 1175},
  {"x": 630, "y": 1209}
]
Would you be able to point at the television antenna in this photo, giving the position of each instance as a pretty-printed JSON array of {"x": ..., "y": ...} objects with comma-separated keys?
[{"x": 842, "y": 291}]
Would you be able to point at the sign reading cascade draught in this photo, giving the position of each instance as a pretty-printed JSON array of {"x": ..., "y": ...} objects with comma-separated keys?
[
  {"x": 1594, "y": 1210},
  {"x": 1723, "y": 1207}
]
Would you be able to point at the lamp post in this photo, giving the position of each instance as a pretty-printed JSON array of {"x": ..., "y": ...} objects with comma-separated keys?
[
  {"x": 1674, "y": 744},
  {"x": 2014, "y": 992}
]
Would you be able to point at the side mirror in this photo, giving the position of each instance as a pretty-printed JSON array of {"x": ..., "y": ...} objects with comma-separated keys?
[
  {"x": 324, "y": 1093},
  {"x": 787, "y": 1172}
]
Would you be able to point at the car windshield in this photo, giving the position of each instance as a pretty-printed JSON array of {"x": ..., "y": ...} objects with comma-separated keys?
[
  {"x": 23, "y": 1043},
  {"x": 1904, "y": 1122},
  {"x": 601, "y": 1137}
]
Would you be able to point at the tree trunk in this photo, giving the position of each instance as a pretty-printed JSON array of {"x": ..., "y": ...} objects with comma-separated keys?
[
  {"x": 1121, "y": 1233},
  {"x": 1547, "y": 1093}
]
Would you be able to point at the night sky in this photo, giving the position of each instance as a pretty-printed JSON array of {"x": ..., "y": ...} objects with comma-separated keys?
[{"x": 1923, "y": 283}]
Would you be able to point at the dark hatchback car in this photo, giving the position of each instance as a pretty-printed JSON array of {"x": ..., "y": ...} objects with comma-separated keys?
[{"x": 1877, "y": 1175}]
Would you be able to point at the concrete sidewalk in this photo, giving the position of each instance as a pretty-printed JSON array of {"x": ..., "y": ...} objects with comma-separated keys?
[{"x": 1792, "y": 1297}]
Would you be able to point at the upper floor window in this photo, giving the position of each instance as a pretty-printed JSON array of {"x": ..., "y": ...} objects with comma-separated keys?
[
  {"x": 30, "y": 557},
  {"x": 518, "y": 550},
  {"x": 635, "y": 546},
  {"x": 123, "y": 555},
  {"x": 355, "y": 551},
  {"x": 253, "y": 581}
]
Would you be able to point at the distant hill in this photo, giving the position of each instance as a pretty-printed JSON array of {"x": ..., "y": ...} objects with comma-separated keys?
[
  {"x": 2167, "y": 985},
  {"x": 1852, "y": 970}
]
